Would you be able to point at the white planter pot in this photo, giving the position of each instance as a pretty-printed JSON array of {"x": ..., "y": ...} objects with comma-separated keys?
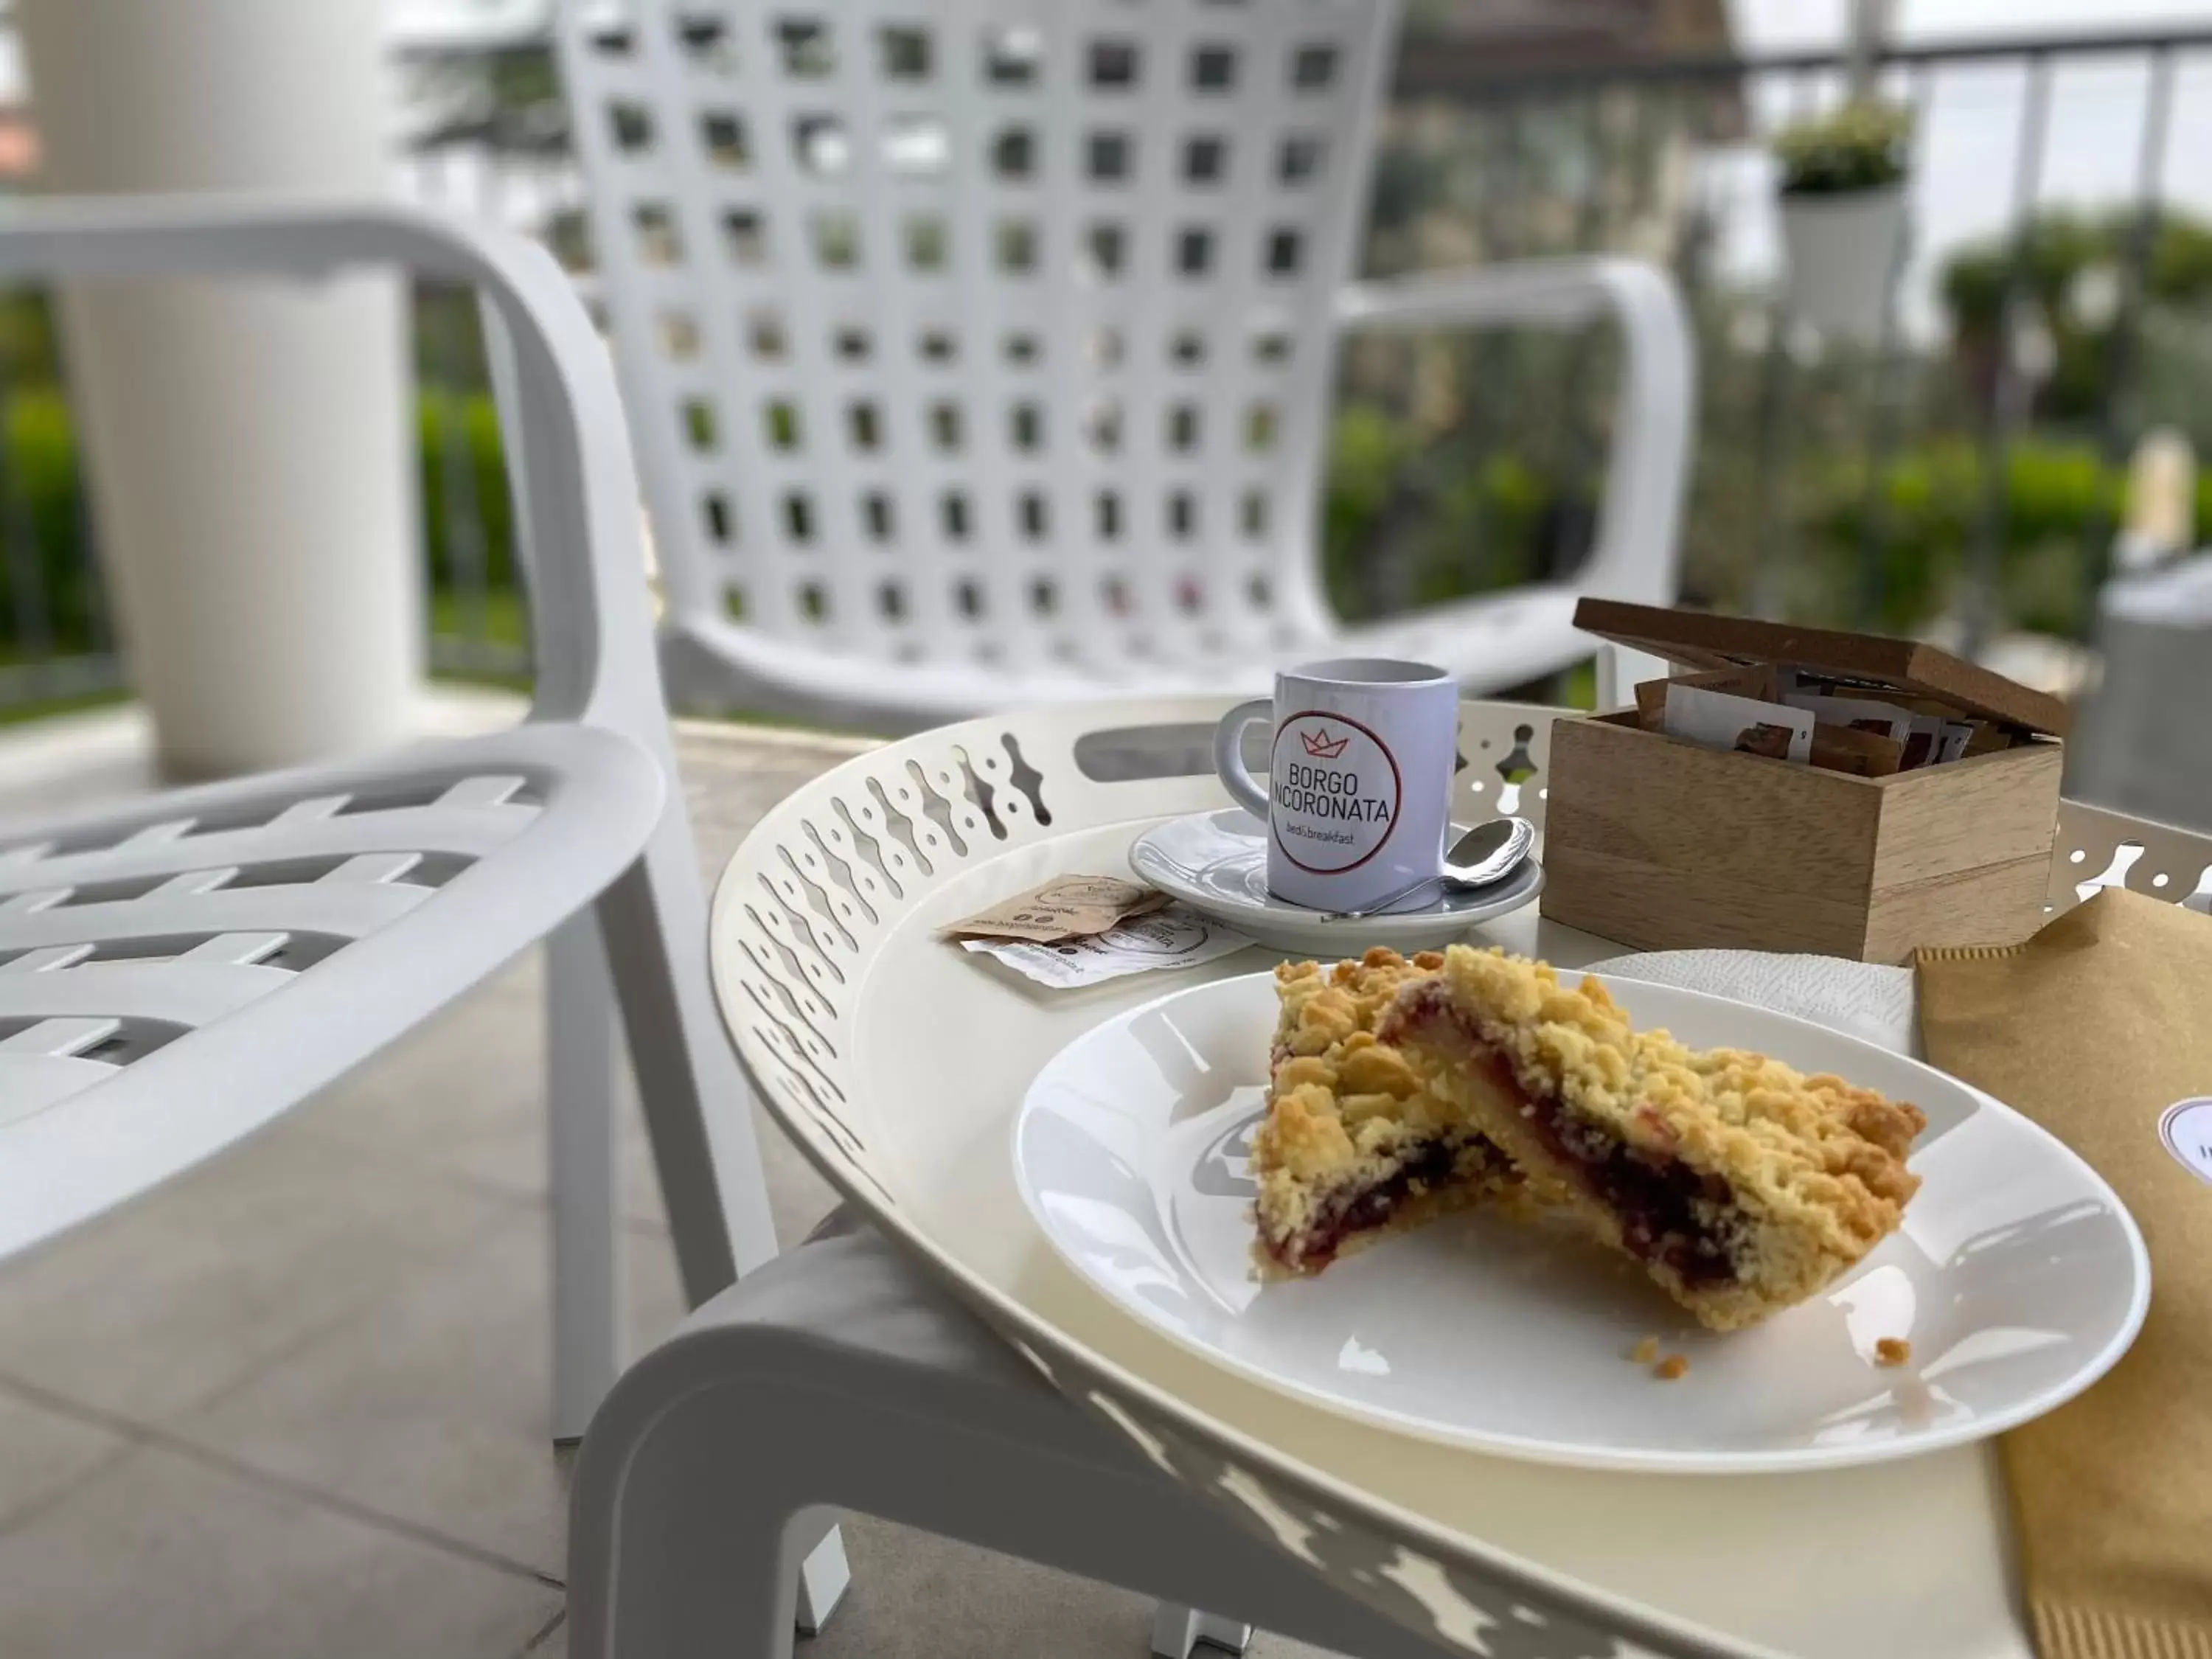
[{"x": 1845, "y": 253}]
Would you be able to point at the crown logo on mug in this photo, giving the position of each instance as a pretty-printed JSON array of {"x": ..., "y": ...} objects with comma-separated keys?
[{"x": 1321, "y": 745}]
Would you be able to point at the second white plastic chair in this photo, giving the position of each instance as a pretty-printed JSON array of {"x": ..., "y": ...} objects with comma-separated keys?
[{"x": 980, "y": 353}]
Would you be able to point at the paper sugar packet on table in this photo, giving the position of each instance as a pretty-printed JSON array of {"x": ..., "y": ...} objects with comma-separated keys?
[
  {"x": 2099, "y": 1028},
  {"x": 1066, "y": 907},
  {"x": 1719, "y": 720},
  {"x": 1079, "y": 930},
  {"x": 1172, "y": 935}
]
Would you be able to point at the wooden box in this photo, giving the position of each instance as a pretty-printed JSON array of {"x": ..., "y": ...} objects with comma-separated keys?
[{"x": 1666, "y": 845}]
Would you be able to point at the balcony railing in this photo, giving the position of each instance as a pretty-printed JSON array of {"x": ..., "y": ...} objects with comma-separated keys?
[
  {"x": 1963, "y": 473},
  {"x": 1960, "y": 475}
]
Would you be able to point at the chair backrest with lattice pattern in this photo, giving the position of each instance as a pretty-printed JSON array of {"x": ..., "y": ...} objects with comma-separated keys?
[{"x": 984, "y": 329}]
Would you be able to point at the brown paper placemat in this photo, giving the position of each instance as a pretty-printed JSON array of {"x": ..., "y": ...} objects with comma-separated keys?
[{"x": 2095, "y": 1028}]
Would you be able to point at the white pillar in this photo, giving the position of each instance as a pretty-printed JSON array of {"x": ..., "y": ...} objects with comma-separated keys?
[{"x": 250, "y": 447}]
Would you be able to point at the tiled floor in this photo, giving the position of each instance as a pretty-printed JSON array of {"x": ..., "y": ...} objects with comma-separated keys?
[{"x": 295, "y": 1403}]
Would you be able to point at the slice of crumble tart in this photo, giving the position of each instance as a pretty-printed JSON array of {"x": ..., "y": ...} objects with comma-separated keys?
[
  {"x": 1741, "y": 1186},
  {"x": 1352, "y": 1147}
]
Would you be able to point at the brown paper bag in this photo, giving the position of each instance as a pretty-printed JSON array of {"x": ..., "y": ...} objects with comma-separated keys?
[{"x": 2095, "y": 1028}]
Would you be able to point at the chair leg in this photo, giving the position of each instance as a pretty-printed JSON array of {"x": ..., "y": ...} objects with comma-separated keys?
[
  {"x": 1177, "y": 1630},
  {"x": 703, "y": 1568},
  {"x": 582, "y": 1167},
  {"x": 693, "y": 1494},
  {"x": 825, "y": 1575},
  {"x": 698, "y": 1110}
]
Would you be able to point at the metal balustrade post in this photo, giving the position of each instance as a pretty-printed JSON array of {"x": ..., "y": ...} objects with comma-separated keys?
[
  {"x": 2117, "y": 425},
  {"x": 2010, "y": 397}
]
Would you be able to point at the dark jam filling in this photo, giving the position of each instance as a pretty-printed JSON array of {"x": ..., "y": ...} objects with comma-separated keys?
[
  {"x": 1363, "y": 1209},
  {"x": 1657, "y": 1201}
]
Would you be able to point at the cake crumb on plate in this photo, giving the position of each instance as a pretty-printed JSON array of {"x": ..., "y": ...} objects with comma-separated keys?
[
  {"x": 1892, "y": 1350},
  {"x": 1644, "y": 1352},
  {"x": 1673, "y": 1365}
]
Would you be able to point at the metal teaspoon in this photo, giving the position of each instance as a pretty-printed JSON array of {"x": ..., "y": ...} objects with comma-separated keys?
[{"x": 1483, "y": 857}]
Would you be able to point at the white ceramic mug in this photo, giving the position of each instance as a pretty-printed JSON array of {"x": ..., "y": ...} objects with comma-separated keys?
[{"x": 1359, "y": 772}]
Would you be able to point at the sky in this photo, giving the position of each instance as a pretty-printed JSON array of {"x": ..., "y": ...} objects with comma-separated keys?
[{"x": 1963, "y": 173}]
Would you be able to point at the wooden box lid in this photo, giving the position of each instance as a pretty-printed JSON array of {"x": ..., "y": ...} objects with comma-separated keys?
[{"x": 1697, "y": 639}]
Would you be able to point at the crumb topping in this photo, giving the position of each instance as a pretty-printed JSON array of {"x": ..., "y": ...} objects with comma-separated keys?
[
  {"x": 1893, "y": 1351},
  {"x": 1815, "y": 1145},
  {"x": 1337, "y": 1094},
  {"x": 1351, "y": 1142},
  {"x": 1741, "y": 1184}
]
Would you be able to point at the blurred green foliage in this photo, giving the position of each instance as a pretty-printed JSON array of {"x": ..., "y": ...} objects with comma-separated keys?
[
  {"x": 28, "y": 356},
  {"x": 1446, "y": 530},
  {"x": 50, "y": 565},
  {"x": 478, "y": 467},
  {"x": 1491, "y": 523},
  {"x": 1858, "y": 146},
  {"x": 2060, "y": 505},
  {"x": 2070, "y": 267},
  {"x": 41, "y": 492}
]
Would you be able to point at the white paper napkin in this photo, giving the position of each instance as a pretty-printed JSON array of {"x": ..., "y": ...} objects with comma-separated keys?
[{"x": 1867, "y": 999}]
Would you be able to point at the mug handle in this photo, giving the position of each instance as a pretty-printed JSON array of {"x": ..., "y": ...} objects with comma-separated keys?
[{"x": 1229, "y": 754}]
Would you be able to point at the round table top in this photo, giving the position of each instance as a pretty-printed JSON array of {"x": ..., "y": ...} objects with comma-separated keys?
[{"x": 897, "y": 1063}]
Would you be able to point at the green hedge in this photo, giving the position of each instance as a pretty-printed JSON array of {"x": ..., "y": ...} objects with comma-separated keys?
[
  {"x": 2057, "y": 250},
  {"x": 436, "y": 415},
  {"x": 41, "y": 494},
  {"x": 1445, "y": 527},
  {"x": 2060, "y": 501},
  {"x": 40, "y": 497},
  {"x": 1449, "y": 530}
]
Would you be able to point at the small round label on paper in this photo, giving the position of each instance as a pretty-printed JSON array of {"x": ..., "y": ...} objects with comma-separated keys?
[{"x": 2186, "y": 1129}]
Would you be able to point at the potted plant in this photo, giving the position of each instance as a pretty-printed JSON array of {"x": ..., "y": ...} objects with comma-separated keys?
[{"x": 1843, "y": 214}]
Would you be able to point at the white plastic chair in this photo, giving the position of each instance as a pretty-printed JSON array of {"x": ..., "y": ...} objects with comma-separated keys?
[
  {"x": 980, "y": 353},
  {"x": 839, "y": 1374},
  {"x": 175, "y": 975}
]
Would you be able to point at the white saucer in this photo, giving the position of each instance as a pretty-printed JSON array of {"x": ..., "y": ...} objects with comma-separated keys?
[
  {"x": 2018, "y": 1277},
  {"x": 1217, "y": 863}
]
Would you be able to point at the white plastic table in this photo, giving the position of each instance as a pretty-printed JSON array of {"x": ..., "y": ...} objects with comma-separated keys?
[{"x": 896, "y": 1063}]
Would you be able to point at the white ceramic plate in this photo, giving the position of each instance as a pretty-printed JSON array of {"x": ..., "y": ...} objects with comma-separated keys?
[
  {"x": 1217, "y": 863},
  {"x": 2018, "y": 1276}
]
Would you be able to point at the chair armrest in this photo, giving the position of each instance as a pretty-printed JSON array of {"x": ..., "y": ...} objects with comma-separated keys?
[{"x": 1638, "y": 545}]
